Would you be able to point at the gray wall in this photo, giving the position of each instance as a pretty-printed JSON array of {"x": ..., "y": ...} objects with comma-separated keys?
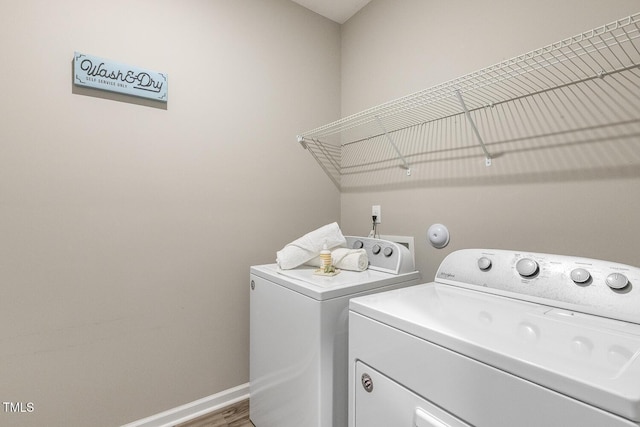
[
  {"x": 127, "y": 231},
  {"x": 579, "y": 199}
]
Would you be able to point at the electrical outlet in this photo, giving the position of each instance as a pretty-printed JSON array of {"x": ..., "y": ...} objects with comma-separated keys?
[{"x": 377, "y": 211}]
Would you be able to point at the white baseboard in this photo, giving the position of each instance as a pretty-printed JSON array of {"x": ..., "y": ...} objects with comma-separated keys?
[{"x": 194, "y": 409}]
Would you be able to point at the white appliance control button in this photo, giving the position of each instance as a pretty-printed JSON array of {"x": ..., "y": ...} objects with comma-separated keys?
[
  {"x": 484, "y": 263},
  {"x": 376, "y": 249},
  {"x": 527, "y": 267},
  {"x": 580, "y": 275},
  {"x": 358, "y": 244},
  {"x": 617, "y": 281},
  {"x": 388, "y": 251}
]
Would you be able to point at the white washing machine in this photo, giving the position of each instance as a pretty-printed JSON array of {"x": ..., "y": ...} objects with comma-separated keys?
[
  {"x": 500, "y": 339},
  {"x": 299, "y": 335}
]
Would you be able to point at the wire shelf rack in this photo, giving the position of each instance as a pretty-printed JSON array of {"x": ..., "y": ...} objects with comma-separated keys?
[{"x": 586, "y": 81}]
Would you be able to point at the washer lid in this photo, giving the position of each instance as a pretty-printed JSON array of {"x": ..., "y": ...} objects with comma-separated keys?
[
  {"x": 590, "y": 358},
  {"x": 304, "y": 281}
]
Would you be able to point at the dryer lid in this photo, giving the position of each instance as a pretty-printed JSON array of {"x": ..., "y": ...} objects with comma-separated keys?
[
  {"x": 347, "y": 283},
  {"x": 590, "y": 358}
]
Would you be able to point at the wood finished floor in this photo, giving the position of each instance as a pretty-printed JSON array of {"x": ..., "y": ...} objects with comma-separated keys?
[{"x": 231, "y": 416}]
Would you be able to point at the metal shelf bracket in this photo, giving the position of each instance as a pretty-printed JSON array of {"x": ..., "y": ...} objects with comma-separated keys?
[
  {"x": 487, "y": 155},
  {"x": 405, "y": 165}
]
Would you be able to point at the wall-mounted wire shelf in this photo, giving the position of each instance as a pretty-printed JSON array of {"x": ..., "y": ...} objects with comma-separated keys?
[{"x": 585, "y": 81}]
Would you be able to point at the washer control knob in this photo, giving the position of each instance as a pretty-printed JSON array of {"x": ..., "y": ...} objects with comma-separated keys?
[
  {"x": 617, "y": 281},
  {"x": 527, "y": 267},
  {"x": 376, "y": 249},
  {"x": 358, "y": 244},
  {"x": 484, "y": 263},
  {"x": 580, "y": 275},
  {"x": 388, "y": 251}
]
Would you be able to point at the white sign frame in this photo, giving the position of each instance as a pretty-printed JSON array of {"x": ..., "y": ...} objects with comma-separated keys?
[{"x": 99, "y": 73}]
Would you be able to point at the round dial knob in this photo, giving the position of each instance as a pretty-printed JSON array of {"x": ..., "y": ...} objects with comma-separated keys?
[
  {"x": 388, "y": 251},
  {"x": 358, "y": 244},
  {"x": 527, "y": 267},
  {"x": 484, "y": 263},
  {"x": 580, "y": 275},
  {"x": 376, "y": 249},
  {"x": 617, "y": 281}
]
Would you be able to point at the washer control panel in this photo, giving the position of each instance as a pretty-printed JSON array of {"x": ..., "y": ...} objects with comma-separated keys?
[
  {"x": 587, "y": 285},
  {"x": 384, "y": 255}
]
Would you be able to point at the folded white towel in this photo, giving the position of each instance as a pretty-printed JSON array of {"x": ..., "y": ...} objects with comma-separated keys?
[
  {"x": 350, "y": 259},
  {"x": 345, "y": 259},
  {"x": 309, "y": 246}
]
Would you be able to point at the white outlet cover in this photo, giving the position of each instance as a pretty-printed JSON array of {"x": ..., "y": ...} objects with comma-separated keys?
[
  {"x": 377, "y": 211},
  {"x": 438, "y": 236}
]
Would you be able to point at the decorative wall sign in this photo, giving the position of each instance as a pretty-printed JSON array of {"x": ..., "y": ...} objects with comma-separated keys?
[{"x": 100, "y": 73}]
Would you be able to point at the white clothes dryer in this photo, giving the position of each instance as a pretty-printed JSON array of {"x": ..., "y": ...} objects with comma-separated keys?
[
  {"x": 500, "y": 339},
  {"x": 299, "y": 335}
]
